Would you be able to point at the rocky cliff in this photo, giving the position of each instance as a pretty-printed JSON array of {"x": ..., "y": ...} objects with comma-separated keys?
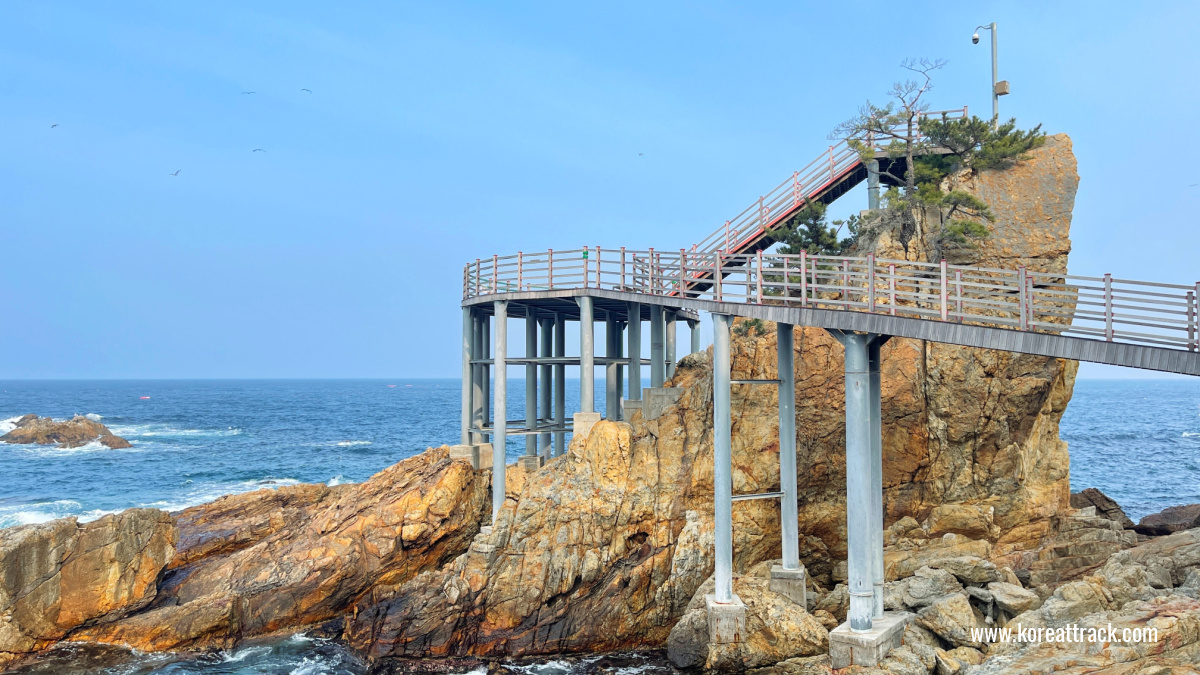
[{"x": 72, "y": 433}]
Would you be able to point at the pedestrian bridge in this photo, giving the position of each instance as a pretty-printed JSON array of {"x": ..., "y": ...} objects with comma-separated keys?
[{"x": 862, "y": 301}]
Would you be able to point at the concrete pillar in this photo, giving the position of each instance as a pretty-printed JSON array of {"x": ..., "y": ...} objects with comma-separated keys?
[
  {"x": 587, "y": 369},
  {"x": 531, "y": 394},
  {"x": 787, "y": 448},
  {"x": 694, "y": 327},
  {"x": 500, "y": 416},
  {"x": 486, "y": 371},
  {"x": 468, "y": 379},
  {"x": 722, "y": 461},
  {"x": 858, "y": 483},
  {"x": 560, "y": 383},
  {"x": 620, "y": 368},
  {"x": 635, "y": 351},
  {"x": 876, "y": 488},
  {"x": 658, "y": 363},
  {"x": 612, "y": 346},
  {"x": 670, "y": 347},
  {"x": 873, "y": 184},
  {"x": 545, "y": 388}
]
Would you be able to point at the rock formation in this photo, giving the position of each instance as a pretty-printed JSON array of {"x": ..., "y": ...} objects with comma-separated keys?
[
  {"x": 61, "y": 575},
  {"x": 72, "y": 433},
  {"x": 1105, "y": 506},
  {"x": 1169, "y": 520}
]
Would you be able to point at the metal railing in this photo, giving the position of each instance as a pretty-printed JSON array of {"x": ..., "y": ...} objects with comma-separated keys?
[
  {"x": 798, "y": 191},
  {"x": 1101, "y": 308}
]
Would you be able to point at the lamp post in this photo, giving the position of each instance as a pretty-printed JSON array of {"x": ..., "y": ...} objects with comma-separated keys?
[{"x": 999, "y": 87}]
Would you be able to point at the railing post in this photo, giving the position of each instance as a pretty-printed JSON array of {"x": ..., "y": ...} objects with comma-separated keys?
[
  {"x": 717, "y": 275},
  {"x": 550, "y": 268},
  {"x": 831, "y": 163},
  {"x": 870, "y": 282},
  {"x": 1193, "y": 344},
  {"x": 1021, "y": 300},
  {"x": 892, "y": 288},
  {"x": 758, "y": 278},
  {"x": 727, "y": 235},
  {"x": 650, "y": 262},
  {"x": 945, "y": 293},
  {"x": 803, "y": 278},
  {"x": 845, "y": 284},
  {"x": 816, "y": 286},
  {"x": 478, "y": 279},
  {"x": 624, "y": 287},
  {"x": 683, "y": 273},
  {"x": 787, "y": 290},
  {"x": 495, "y": 274},
  {"x": 1031, "y": 305},
  {"x": 1108, "y": 310},
  {"x": 597, "y": 267},
  {"x": 762, "y": 215},
  {"x": 520, "y": 270},
  {"x": 795, "y": 189},
  {"x": 958, "y": 299},
  {"x": 585, "y": 269}
]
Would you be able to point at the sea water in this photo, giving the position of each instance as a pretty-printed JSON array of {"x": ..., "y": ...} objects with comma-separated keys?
[{"x": 193, "y": 441}]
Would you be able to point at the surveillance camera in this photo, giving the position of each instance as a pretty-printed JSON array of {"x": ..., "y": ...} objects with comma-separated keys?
[{"x": 975, "y": 39}]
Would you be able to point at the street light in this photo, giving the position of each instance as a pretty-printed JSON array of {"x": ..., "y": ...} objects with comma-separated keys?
[{"x": 999, "y": 87}]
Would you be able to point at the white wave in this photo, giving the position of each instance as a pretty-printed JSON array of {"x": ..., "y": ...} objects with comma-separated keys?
[
  {"x": 153, "y": 430},
  {"x": 8, "y": 424},
  {"x": 336, "y": 480},
  {"x": 310, "y": 666},
  {"x": 94, "y": 417},
  {"x": 32, "y": 514},
  {"x": 56, "y": 451},
  {"x": 547, "y": 668},
  {"x": 243, "y": 654},
  {"x": 347, "y": 444},
  {"x": 1191, "y": 434}
]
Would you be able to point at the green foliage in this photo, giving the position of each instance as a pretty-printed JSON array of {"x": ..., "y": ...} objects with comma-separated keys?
[
  {"x": 976, "y": 145},
  {"x": 744, "y": 326},
  {"x": 963, "y": 233},
  {"x": 809, "y": 231}
]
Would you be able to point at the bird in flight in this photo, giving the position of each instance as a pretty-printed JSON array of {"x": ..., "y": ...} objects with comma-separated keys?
[
  {"x": 639, "y": 154},
  {"x": 176, "y": 172},
  {"x": 53, "y": 125},
  {"x": 258, "y": 150},
  {"x": 308, "y": 90},
  {"x": 248, "y": 92}
]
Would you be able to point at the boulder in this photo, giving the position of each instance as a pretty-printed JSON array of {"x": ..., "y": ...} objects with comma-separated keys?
[
  {"x": 72, "y": 433},
  {"x": 951, "y": 618},
  {"x": 777, "y": 629},
  {"x": 957, "y": 661},
  {"x": 268, "y": 561},
  {"x": 1170, "y": 520},
  {"x": 58, "y": 576},
  {"x": 1013, "y": 599},
  {"x": 968, "y": 569},
  {"x": 919, "y": 590},
  {"x": 1105, "y": 505}
]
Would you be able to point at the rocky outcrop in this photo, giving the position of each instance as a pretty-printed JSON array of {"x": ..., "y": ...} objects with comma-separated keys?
[
  {"x": 73, "y": 433},
  {"x": 261, "y": 562},
  {"x": 1105, "y": 506},
  {"x": 60, "y": 575},
  {"x": 1170, "y": 520}
]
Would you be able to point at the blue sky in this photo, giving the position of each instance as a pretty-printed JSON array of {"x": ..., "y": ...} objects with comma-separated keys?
[{"x": 440, "y": 132}]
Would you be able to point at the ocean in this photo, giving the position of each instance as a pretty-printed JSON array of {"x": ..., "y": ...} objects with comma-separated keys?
[{"x": 195, "y": 440}]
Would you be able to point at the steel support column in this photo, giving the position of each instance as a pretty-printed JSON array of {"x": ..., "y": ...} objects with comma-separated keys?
[
  {"x": 635, "y": 351},
  {"x": 658, "y": 367},
  {"x": 876, "y": 488},
  {"x": 500, "y": 417},
  {"x": 722, "y": 461},
  {"x": 545, "y": 387},
  {"x": 560, "y": 383},
  {"x": 859, "y": 518},
  {"x": 531, "y": 393},
  {"x": 486, "y": 373},
  {"x": 468, "y": 379},
  {"x": 670, "y": 347},
  {"x": 694, "y": 327},
  {"x": 478, "y": 393},
  {"x": 787, "y": 448},
  {"x": 620, "y": 368},
  {"x": 587, "y": 369},
  {"x": 612, "y": 346}
]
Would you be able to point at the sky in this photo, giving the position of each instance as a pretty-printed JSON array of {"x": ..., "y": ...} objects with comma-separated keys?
[{"x": 436, "y": 133}]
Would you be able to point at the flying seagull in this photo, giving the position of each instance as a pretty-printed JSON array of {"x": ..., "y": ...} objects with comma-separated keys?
[
  {"x": 258, "y": 150},
  {"x": 639, "y": 154},
  {"x": 53, "y": 125},
  {"x": 308, "y": 90},
  {"x": 176, "y": 172},
  {"x": 248, "y": 92}
]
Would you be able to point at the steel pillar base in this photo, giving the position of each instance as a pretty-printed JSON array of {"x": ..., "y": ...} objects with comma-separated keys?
[
  {"x": 478, "y": 454},
  {"x": 655, "y": 400},
  {"x": 726, "y": 621},
  {"x": 531, "y": 463},
  {"x": 850, "y": 648},
  {"x": 790, "y": 583},
  {"x": 584, "y": 421}
]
